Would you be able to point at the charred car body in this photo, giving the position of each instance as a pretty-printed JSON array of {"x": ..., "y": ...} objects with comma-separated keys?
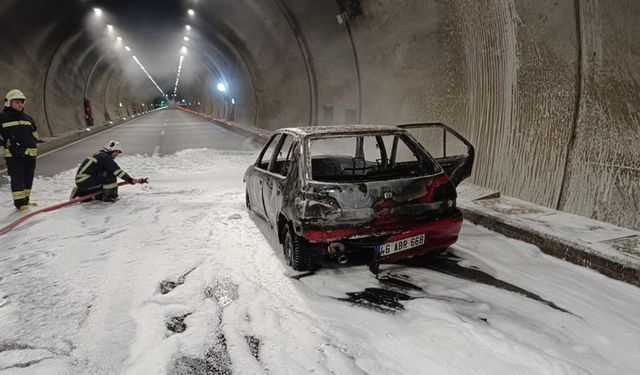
[{"x": 333, "y": 191}]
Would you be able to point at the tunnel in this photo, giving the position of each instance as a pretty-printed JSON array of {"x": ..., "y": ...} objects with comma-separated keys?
[{"x": 547, "y": 91}]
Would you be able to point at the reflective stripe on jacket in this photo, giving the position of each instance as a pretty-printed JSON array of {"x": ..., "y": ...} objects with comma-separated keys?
[
  {"x": 99, "y": 163},
  {"x": 19, "y": 134}
]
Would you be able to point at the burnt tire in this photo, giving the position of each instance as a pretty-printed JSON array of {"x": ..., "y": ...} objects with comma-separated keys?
[{"x": 296, "y": 250}]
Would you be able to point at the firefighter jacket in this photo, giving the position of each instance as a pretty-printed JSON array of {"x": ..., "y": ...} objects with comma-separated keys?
[
  {"x": 19, "y": 134},
  {"x": 101, "y": 162}
]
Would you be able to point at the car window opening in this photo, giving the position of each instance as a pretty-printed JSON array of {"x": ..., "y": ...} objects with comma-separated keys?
[
  {"x": 368, "y": 158},
  {"x": 282, "y": 162}
]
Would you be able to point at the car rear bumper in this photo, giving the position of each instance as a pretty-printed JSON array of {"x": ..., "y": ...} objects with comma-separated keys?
[{"x": 439, "y": 235}]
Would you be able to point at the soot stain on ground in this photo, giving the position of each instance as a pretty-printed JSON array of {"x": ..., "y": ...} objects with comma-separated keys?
[
  {"x": 215, "y": 362},
  {"x": 177, "y": 324},
  {"x": 378, "y": 299},
  {"x": 167, "y": 286},
  {"x": 450, "y": 264},
  {"x": 254, "y": 346}
]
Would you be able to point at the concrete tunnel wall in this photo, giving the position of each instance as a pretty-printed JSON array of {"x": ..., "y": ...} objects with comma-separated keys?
[
  {"x": 547, "y": 91},
  {"x": 50, "y": 59}
]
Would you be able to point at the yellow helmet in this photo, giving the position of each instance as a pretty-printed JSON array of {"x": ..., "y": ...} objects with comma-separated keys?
[{"x": 11, "y": 95}]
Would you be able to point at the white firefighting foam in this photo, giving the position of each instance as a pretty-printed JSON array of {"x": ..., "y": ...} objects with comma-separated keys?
[{"x": 94, "y": 288}]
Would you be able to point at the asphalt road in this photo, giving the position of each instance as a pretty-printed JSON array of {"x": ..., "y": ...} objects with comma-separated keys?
[{"x": 160, "y": 133}]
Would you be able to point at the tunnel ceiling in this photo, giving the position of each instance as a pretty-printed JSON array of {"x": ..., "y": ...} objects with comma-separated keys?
[
  {"x": 548, "y": 91},
  {"x": 248, "y": 46}
]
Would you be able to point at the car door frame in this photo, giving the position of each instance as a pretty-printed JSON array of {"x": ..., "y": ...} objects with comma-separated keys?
[
  {"x": 463, "y": 164},
  {"x": 258, "y": 177},
  {"x": 273, "y": 188}
]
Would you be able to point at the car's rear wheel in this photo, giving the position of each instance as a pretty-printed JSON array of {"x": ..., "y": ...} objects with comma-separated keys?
[{"x": 296, "y": 251}]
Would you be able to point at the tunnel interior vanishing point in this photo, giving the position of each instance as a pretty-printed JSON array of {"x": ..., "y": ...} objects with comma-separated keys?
[{"x": 548, "y": 91}]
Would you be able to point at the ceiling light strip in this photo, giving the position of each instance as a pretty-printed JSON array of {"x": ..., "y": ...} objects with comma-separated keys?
[
  {"x": 148, "y": 75},
  {"x": 175, "y": 88}
]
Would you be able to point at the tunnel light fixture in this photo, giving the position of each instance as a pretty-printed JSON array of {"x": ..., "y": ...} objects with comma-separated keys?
[
  {"x": 233, "y": 101},
  {"x": 119, "y": 39},
  {"x": 186, "y": 38},
  {"x": 222, "y": 87},
  {"x": 188, "y": 27},
  {"x": 148, "y": 75},
  {"x": 127, "y": 48},
  {"x": 97, "y": 12},
  {"x": 191, "y": 12},
  {"x": 350, "y": 10},
  {"x": 183, "y": 50},
  {"x": 175, "y": 87},
  {"x": 110, "y": 28}
]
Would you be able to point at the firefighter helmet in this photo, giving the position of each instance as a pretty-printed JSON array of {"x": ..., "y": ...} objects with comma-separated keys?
[
  {"x": 113, "y": 146},
  {"x": 11, "y": 95}
]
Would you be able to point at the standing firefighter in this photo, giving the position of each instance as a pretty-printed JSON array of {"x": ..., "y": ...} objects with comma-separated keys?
[
  {"x": 100, "y": 172},
  {"x": 19, "y": 136}
]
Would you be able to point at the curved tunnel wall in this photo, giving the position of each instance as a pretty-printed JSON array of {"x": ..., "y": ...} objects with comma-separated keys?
[
  {"x": 547, "y": 91},
  {"x": 50, "y": 59}
]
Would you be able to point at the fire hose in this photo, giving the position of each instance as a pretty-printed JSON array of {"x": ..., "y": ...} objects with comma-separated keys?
[{"x": 6, "y": 229}]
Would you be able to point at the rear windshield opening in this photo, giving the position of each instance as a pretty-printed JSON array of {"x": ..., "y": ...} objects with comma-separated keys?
[{"x": 368, "y": 158}]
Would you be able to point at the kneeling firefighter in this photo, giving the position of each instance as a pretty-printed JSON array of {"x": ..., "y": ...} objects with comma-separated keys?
[
  {"x": 100, "y": 172},
  {"x": 19, "y": 136}
]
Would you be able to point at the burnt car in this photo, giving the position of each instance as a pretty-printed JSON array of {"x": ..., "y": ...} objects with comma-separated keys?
[{"x": 332, "y": 192}]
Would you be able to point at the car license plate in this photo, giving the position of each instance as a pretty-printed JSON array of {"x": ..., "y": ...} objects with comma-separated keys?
[{"x": 401, "y": 245}]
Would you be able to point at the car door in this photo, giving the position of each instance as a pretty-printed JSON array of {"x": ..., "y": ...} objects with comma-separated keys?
[
  {"x": 259, "y": 175},
  {"x": 450, "y": 149},
  {"x": 274, "y": 185}
]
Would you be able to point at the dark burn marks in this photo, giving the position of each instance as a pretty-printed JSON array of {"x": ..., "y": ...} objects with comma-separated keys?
[{"x": 397, "y": 289}]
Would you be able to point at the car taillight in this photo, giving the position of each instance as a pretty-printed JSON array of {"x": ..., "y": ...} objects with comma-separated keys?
[
  {"x": 437, "y": 190},
  {"x": 326, "y": 208}
]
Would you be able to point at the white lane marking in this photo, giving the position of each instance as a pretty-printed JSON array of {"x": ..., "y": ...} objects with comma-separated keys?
[
  {"x": 156, "y": 150},
  {"x": 162, "y": 132}
]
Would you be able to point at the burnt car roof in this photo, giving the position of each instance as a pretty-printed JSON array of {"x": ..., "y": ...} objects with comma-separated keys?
[{"x": 337, "y": 129}]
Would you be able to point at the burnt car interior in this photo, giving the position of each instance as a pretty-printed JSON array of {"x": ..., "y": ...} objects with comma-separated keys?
[{"x": 372, "y": 157}]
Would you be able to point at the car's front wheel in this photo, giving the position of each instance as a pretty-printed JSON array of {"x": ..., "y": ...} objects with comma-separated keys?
[
  {"x": 296, "y": 251},
  {"x": 246, "y": 200}
]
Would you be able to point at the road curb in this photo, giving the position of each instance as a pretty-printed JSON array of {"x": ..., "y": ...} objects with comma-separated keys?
[
  {"x": 256, "y": 134},
  {"x": 559, "y": 248}
]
